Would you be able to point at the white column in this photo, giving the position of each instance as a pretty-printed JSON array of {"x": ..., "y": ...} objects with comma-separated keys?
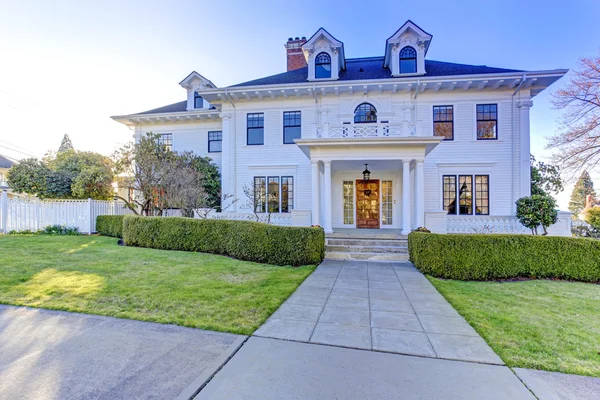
[
  {"x": 225, "y": 157},
  {"x": 420, "y": 194},
  {"x": 525, "y": 151},
  {"x": 405, "y": 197},
  {"x": 327, "y": 198},
  {"x": 316, "y": 195}
]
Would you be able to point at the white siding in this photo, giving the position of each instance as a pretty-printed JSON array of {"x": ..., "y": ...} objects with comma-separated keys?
[
  {"x": 463, "y": 155},
  {"x": 187, "y": 136}
]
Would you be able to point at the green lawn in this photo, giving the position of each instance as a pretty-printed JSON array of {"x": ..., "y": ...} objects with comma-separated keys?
[
  {"x": 92, "y": 274},
  {"x": 540, "y": 324}
]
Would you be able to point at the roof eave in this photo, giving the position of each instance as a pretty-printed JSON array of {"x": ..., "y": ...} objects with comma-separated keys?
[
  {"x": 178, "y": 116},
  {"x": 516, "y": 74}
]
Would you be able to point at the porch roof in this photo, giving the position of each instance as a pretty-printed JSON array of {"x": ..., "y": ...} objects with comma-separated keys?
[{"x": 369, "y": 148}]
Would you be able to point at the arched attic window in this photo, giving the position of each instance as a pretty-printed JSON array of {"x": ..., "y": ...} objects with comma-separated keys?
[
  {"x": 323, "y": 66},
  {"x": 408, "y": 60},
  {"x": 365, "y": 113},
  {"x": 198, "y": 101}
]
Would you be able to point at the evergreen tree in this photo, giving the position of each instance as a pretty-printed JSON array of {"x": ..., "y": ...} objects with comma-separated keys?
[
  {"x": 583, "y": 187},
  {"x": 66, "y": 144}
]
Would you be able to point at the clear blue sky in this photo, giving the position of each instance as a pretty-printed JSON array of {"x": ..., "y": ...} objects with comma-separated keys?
[{"x": 66, "y": 66}]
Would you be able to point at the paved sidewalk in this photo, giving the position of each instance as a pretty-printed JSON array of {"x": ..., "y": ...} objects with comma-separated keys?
[
  {"x": 388, "y": 307},
  {"x": 58, "y": 355},
  {"x": 556, "y": 386},
  {"x": 269, "y": 369}
]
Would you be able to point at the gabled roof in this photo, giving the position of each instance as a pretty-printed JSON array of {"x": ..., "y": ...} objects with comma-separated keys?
[
  {"x": 334, "y": 43},
  {"x": 5, "y": 162},
  {"x": 194, "y": 76},
  {"x": 395, "y": 38},
  {"x": 371, "y": 68}
]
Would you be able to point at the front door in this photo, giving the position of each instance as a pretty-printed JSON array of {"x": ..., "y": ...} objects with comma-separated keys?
[{"x": 367, "y": 204}]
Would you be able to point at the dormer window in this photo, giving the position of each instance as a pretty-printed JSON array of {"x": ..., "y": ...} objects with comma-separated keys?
[
  {"x": 408, "y": 60},
  {"x": 365, "y": 113},
  {"x": 405, "y": 50},
  {"x": 324, "y": 56},
  {"x": 322, "y": 66},
  {"x": 198, "y": 101}
]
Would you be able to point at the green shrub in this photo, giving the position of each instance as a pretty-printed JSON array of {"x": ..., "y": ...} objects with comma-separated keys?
[
  {"x": 592, "y": 217},
  {"x": 244, "y": 240},
  {"x": 59, "y": 230},
  {"x": 110, "y": 225},
  {"x": 484, "y": 257}
]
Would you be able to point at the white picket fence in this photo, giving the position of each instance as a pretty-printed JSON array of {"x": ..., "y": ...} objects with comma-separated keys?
[{"x": 33, "y": 214}]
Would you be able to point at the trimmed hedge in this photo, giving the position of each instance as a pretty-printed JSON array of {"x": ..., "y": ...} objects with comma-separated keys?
[
  {"x": 486, "y": 257},
  {"x": 244, "y": 240},
  {"x": 110, "y": 225}
]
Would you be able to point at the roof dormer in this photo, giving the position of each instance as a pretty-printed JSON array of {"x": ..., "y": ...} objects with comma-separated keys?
[
  {"x": 324, "y": 55},
  {"x": 195, "y": 83},
  {"x": 405, "y": 50}
]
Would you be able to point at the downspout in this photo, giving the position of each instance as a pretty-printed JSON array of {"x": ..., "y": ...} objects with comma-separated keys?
[
  {"x": 232, "y": 150},
  {"x": 512, "y": 121},
  {"x": 414, "y": 106},
  {"x": 317, "y": 114}
]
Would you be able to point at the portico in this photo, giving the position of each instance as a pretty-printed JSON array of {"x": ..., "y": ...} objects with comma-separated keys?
[{"x": 392, "y": 197}]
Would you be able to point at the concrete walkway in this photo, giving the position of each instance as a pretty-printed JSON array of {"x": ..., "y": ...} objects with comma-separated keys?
[
  {"x": 270, "y": 369},
  {"x": 57, "y": 355},
  {"x": 388, "y": 307}
]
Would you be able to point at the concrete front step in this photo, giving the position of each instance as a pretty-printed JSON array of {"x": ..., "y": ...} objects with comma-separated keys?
[
  {"x": 367, "y": 242},
  {"x": 337, "y": 255},
  {"x": 381, "y": 234},
  {"x": 367, "y": 249}
]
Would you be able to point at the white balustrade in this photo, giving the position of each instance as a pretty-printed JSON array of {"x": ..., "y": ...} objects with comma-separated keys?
[
  {"x": 369, "y": 130},
  {"x": 282, "y": 219},
  {"x": 484, "y": 224}
]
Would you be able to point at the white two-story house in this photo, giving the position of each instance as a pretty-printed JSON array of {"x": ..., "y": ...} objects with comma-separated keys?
[{"x": 390, "y": 142}]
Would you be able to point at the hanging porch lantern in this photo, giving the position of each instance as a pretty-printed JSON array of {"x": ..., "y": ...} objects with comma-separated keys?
[
  {"x": 366, "y": 173},
  {"x": 366, "y": 177}
]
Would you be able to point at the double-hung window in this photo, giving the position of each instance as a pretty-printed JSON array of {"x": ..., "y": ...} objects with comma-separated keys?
[
  {"x": 166, "y": 140},
  {"x": 287, "y": 194},
  {"x": 273, "y": 194},
  {"x": 292, "y": 121},
  {"x": 487, "y": 121},
  {"x": 215, "y": 141},
  {"x": 443, "y": 122},
  {"x": 255, "y": 128},
  {"x": 459, "y": 197}
]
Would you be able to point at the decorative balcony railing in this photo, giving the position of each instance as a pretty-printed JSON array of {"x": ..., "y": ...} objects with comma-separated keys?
[{"x": 366, "y": 130}]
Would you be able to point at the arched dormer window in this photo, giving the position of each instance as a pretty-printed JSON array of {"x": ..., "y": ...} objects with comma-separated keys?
[
  {"x": 408, "y": 60},
  {"x": 198, "y": 101},
  {"x": 365, "y": 113},
  {"x": 323, "y": 66}
]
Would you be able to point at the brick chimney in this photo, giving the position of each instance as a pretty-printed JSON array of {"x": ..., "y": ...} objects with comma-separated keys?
[{"x": 295, "y": 57}]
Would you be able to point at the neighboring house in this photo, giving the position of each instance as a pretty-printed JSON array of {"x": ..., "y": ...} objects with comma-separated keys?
[
  {"x": 438, "y": 137},
  {"x": 5, "y": 165}
]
